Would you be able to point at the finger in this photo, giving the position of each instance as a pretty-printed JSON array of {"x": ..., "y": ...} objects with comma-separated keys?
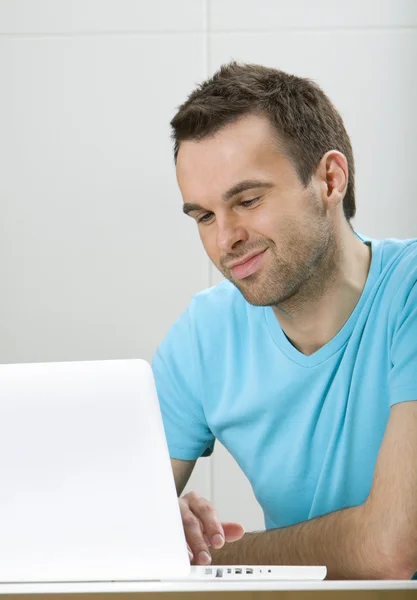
[
  {"x": 190, "y": 554},
  {"x": 232, "y": 531},
  {"x": 209, "y": 519},
  {"x": 194, "y": 536}
]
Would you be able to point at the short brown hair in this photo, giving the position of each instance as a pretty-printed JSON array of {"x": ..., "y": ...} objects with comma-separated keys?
[{"x": 305, "y": 119}]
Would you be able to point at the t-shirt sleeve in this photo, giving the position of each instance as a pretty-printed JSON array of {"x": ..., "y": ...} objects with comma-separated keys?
[
  {"x": 178, "y": 385},
  {"x": 403, "y": 375}
]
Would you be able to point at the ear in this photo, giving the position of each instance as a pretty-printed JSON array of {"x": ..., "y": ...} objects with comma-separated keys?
[{"x": 333, "y": 173}]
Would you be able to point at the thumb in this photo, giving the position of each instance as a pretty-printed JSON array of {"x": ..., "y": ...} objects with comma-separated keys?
[{"x": 232, "y": 531}]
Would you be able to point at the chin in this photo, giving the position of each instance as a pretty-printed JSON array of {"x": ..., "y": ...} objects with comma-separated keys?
[
  {"x": 256, "y": 299},
  {"x": 255, "y": 294}
]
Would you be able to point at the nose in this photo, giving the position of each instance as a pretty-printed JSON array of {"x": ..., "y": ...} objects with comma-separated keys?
[{"x": 229, "y": 233}]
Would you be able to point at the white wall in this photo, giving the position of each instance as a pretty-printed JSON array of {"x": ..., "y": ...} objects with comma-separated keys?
[{"x": 96, "y": 258}]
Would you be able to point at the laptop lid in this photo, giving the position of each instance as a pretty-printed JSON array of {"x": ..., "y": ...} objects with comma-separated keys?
[{"x": 87, "y": 492}]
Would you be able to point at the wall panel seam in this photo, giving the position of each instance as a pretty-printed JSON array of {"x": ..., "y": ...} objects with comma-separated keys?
[
  {"x": 255, "y": 31},
  {"x": 209, "y": 265},
  {"x": 105, "y": 33},
  {"x": 207, "y": 33}
]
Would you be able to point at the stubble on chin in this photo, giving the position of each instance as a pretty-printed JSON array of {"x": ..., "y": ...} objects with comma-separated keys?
[
  {"x": 287, "y": 285},
  {"x": 317, "y": 276}
]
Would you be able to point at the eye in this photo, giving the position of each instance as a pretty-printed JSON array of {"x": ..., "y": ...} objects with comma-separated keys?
[
  {"x": 247, "y": 203},
  {"x": 205, "y": 218}
]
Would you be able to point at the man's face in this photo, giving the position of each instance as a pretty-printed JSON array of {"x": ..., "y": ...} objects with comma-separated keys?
[{"x": 248, "y": 202}]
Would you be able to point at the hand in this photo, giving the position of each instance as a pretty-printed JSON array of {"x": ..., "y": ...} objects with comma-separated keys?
[{"x": 203, "y": 529}]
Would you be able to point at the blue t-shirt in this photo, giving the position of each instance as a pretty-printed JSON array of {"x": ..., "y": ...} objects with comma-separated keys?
[{"x": 306, "y": 430}]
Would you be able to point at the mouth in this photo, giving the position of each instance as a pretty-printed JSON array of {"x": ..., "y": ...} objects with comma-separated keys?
[{"x": 248, "y": 267}]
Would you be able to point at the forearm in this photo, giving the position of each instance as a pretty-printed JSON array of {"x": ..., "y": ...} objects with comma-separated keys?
[{"x": 342, "y": 540}]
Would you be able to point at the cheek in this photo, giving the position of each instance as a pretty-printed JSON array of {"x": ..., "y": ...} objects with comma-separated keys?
[
  {"x": 272, "y": 225},
  {"x": 264, "y": 222}
]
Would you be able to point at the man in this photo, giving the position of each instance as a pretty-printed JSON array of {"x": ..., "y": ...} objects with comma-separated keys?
[{"x": 303, "y": 363}]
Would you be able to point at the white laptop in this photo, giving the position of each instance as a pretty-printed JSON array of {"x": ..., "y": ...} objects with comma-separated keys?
[{"x": 86, "y": 487}]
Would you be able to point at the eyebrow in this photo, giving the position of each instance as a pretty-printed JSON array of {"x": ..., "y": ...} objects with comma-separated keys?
[{"x": 238, "y": 188}]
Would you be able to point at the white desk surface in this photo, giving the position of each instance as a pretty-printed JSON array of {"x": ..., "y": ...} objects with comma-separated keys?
[{"x": 199, "y": 586}]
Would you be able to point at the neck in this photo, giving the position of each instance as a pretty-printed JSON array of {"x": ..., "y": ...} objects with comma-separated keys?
[{"x": 320, "y": 309}]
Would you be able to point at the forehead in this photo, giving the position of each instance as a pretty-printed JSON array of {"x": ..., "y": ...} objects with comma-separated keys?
[{"x": 245, "y": 149}]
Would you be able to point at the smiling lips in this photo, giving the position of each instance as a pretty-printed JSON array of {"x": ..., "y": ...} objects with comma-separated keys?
[{"x": 250, "y": 265}]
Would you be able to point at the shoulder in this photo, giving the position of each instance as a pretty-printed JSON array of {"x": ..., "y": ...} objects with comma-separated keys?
[
  {"x": 399, "y": 255},
  {"x": 398, "y": 279},
  {"x": 399, "y": 264},
  {"x": 207, "y": 316},
  {"x": 220, "y": 301},
  {"x": 395, "y": 255},
  {"x": 217, "y": 313}
]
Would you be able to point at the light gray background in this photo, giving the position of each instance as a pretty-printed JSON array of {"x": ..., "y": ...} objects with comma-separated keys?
[{"x": 97, "y": 259}]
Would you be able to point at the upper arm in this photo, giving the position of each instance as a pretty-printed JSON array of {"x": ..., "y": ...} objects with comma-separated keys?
[
  {"x": 182, "y": 470},
  {"x": 176, "y": 371},
  {"x": 392, "y": 502},
  {"x": 391, "y": 508}
]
